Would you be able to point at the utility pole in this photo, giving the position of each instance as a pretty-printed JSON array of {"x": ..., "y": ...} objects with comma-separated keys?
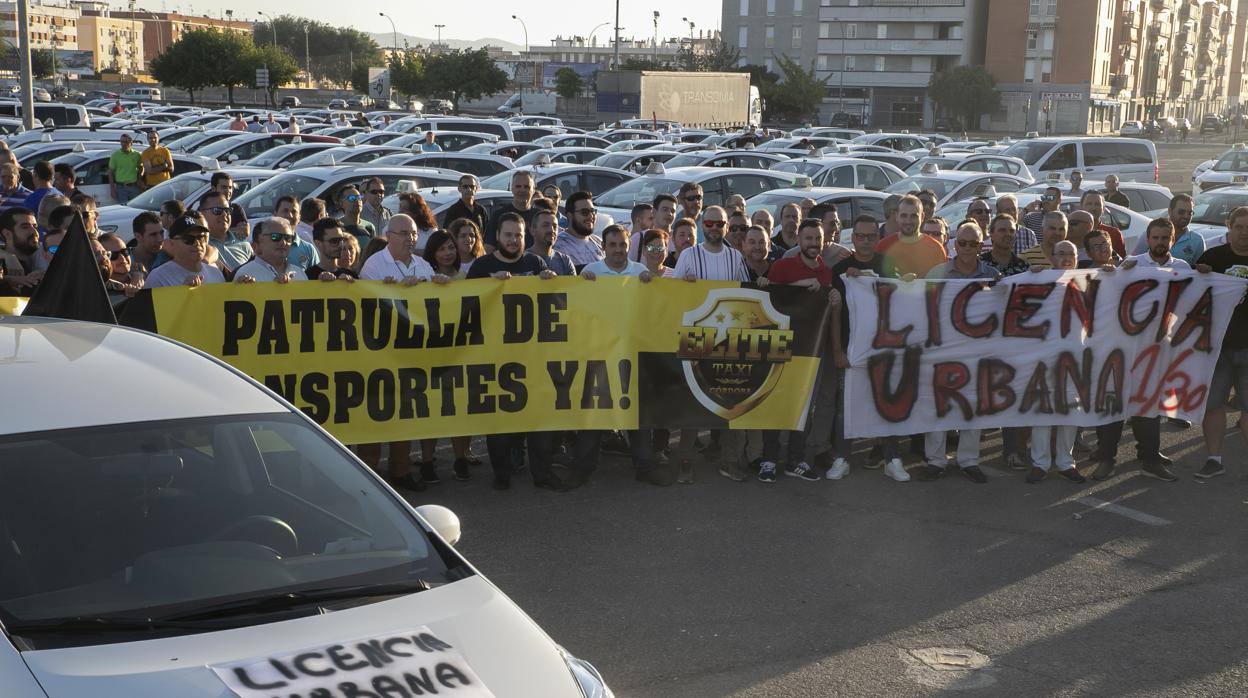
[
  {"x": 23, "y": 54},
  {"x": 656, "y": 35},
  {"x": 616, "y": 66},
  {"x": 307, "y": 55},
  {"x": 439, "y": 27}
]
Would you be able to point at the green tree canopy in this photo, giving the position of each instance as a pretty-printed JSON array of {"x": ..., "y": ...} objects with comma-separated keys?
[
  {"x": 407, "y": 74},
  {"x": 797, "y": 94},
  {"x": 191, "y": 62},
  {"x": 966, "y": 90},
  {"x": 568, "y": 83},
  {"x": 41, "y": 63},
  {"x": 718, "y": 57},
  {"x": 457, "y": 75},
  {"x": 282, "y": 68},
  {"x": 332, "y": 53}
]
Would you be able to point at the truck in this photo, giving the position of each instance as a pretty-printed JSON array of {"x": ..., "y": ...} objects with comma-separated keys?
[{"x": 694, "y": 100}]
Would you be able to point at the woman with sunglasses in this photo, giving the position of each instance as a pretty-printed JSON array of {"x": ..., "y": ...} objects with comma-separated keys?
[{"x": 654, "y": 252}]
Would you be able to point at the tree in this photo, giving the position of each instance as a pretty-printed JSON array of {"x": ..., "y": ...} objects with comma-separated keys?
[
  {"x": 234, "y": 61},
  {"x": 191, "y": 62},
  {"x": 644, "y": 64},
  {"x": 966, "y": 90},
  {"x": 568, "y": 83},
  {"x": 42, "y": 63},
  {"x": 463, "y": 74},
  {"x": 282, "y": 68},
  {"x": 718, "y": 57},
  {"x": 798, "y": 93},
  {"x": 332, "y": 53},
  {"x": 407, "y": 74}
]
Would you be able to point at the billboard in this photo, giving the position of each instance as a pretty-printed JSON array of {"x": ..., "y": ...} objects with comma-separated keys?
[{"x": 585, "y": 70}]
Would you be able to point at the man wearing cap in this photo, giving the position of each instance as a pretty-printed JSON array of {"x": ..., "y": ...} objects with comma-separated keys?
[
  {"x": 272, "y": 242},
  {"x": 186, "y": 247},
  {"x": 124, "y": 167}
]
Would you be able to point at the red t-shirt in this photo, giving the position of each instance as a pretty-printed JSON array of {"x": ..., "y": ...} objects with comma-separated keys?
[
  {"x": 1115, "y": 239},
  {"x": 787, "y": 270}
]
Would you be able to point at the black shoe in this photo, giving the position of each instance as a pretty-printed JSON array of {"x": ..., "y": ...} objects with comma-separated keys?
[
  {"x": 1211, "y": 468},
  {"x": 552, "y": 483},
  {"x": 518, "y": 465},
  {"x": 660, "y": 475},
  {"x": 460, "y": 468},
  {"x": 974, "y": 474},
  {"x": 928, "y": 472},
  {"x": 1158, "y": 470},
  {"x": 612, "y": 442},
  {"x": 1072, "y": 474},
  {"x": 1036, "y": 475},
  {"x": 1164, "y": 459},
  {"x": 1104, "y": 470},
  {"x": 575, "y": 479},
  {"x": 473, "y": 460},
  {"x": 407, "y": 482},
  {"x": 1180, "y": 423},
  {"x": 429, "y": 473},
  {"x": 502, "y": 483}
]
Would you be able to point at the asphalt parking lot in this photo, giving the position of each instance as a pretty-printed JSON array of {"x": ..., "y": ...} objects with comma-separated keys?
[
  {"x": 1177, "y": 160},
  {"x": 866, "y": 586}
]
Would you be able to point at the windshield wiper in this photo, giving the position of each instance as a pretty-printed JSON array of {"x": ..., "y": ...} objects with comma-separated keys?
[
  {"x": 290, "y": 599},
  {"x": 98, "y": 624}
]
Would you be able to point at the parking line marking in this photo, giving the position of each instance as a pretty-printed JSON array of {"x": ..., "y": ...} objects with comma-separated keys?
[{"x": 1134, "y": 514}]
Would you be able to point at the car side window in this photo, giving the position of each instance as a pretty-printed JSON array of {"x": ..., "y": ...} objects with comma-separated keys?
[
  {"x": 1061, "y": 159},
  {"x": 974, "y": 166},
  {"x": 94, "y": 173},
  {"x": 599, "y": 182},
  {"x": 872, "y": 178},
  {"x": 1005, "y": 185},
  {"x": 838, "y": 177},
  {"x": 184, "y": 166},
  {"x": 868, "y": 205},
  {"x": 1101, "y": 154}
]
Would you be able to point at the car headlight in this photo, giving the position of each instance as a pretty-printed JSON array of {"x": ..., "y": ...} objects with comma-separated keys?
[
  {"x": 587, "y": 677},
  {"x": 107, "y": 228}
]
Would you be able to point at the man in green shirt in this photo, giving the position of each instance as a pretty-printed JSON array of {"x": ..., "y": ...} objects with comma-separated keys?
[{"x": 124, "y": 167}]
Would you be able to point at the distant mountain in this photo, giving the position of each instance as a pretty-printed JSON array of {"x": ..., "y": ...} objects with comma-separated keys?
[{"x": 386, "y": 40}]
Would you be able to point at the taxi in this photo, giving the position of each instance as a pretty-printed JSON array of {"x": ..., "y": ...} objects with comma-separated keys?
[{"x": 1230, "y": 169}]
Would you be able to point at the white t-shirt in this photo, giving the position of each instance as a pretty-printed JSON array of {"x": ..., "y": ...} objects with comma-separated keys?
[
  {"x": 600, "y": 268},
  {"x": 383, "y": 265},
  {"x": 582, "y": 251},
  {"x": 1146, "y": 260},
  {"x": 304, "y": 231},
  {"x": 261, "y": 270},
  {"x": 173, "y": 274},
  {"x": 725, "y": 265}
]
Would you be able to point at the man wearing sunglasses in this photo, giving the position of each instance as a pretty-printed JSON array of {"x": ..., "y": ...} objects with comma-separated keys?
[
  {"x": 187, "y": 245},
  {"x": 466, "y": 207},
  {"x": 272, "y": 242},
  {"x": 372, "y": 210},
  {"x": 352, "y": 205},
  {"x": 232, "y": 252},
  {"x": 329, "y": 237},
  {"x": 579, "y": 242},
  {"x": 691, "y": 198}
]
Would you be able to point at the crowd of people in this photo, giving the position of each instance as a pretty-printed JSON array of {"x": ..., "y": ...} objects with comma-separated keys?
[{"x": 675, "y": 237}]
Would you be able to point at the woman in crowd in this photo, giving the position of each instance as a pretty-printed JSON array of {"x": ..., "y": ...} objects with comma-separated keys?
[
  {"x": 414, "y": 205},
  {"x": 654, "y": 251},
  {"x": 467, "y": 241},
  {"x": 348, "y": 253}
]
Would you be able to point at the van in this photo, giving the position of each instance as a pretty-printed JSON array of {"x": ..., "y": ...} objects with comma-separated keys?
[
  {"x": 495, "y": 127},
  {"x": 1132, "y": 159},
  {"x": 60, "y": 114},
  {"x": 143, "y": 94}
]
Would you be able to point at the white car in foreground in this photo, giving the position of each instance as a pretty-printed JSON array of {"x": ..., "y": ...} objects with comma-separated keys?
[{"x": 207, "y": 539}]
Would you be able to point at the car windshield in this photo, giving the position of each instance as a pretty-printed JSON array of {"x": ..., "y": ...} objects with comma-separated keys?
[
  {"x": 272, "y": 156},
  {"x": 176, "y": 189},
  {"x": 263, "y": 199},
  {"x": 942, "y": 187},
  {"x": 1029, "y": 152},
  {"x": 801, "y": 167},
  {"x": 164, "y": 519},
  {"x": 1214, "y": 208},
  {"x": 640, "y": 190},
  {"x": 1232, "y": 162},
  {"x": 686, "y": 160}
]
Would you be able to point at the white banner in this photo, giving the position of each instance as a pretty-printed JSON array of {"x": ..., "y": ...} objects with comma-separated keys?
[
  {"x": 406, "y": 662},
  {"x": 1035, "y": 349}
]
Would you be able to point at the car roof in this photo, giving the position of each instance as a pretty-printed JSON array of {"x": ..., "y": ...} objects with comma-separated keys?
[
  {"x": 69, "y": 369},
  {"x": 819, "y": 193},
  {"x": 692, "y": 174}
]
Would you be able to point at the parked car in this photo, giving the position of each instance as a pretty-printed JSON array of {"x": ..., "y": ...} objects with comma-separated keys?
[
  {"x": 948, "y": 124},
  {"x": 1212, "y": 123},
  {"x": 439, "y": 106},
  {"x": 291, "y": 102},
  {"x": 1132, "y": 128}
]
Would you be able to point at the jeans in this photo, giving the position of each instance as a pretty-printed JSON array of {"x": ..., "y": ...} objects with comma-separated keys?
[
  {"x": 1147, "y": 431},
  {"x": 795, "y": 453},
  {"x": 825, "y": 418},
  {"x": 1063, "y": 457},
  {"x": 125, "y": 192},
  {"x": 642, "y": 446},
  {"x": 968, "y": 448}
]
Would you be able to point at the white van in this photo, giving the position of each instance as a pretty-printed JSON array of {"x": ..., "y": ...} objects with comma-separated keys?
[
  {"x": 143, "y": 94},
  {"x": 1132, "y": 159}
]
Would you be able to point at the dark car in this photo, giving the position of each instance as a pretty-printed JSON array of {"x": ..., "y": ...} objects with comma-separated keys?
[
  {"x": 438, "y": 106},
  {"x": 948, "y": 124},
  {"x": 1211, "y": 124},
  {"x": 290, "y": 102},
  {"x": 844, "y": 120}
]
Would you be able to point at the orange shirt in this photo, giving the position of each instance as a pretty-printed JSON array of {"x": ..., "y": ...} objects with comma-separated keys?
[{"x": 915, "y": 255}]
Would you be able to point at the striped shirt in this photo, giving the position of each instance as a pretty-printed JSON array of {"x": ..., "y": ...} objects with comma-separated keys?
[
  {"x": 1035, "y": 257},
  {"x": 725, "y": 265}
]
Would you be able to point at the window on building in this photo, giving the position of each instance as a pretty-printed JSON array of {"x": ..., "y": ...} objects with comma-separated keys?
[
  {"x": 881, "y": 31},
  {"x": 797, "y": 35},
  {"x": 1029, "y": 71},
  {"x": 769, "y": 36},
  {"x": 743, "y": 33},
  {"x": 821, "y": 63},
  {"x": 1051, "y": 9},
  {"x": 745, "y": 8},
  {"x": 797, "y": 8},
  {"x": 879, "y": 63},
  {"x": 851, "y": 63},
  {"x": 825, "y": 30},
  {"x": 771, "y": 7},
  {"x": 1032, "y": 40},
  {"x": 1035, "y": 7}
]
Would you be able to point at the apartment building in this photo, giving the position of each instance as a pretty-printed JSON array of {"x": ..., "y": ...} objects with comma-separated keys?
[
  {"x": 160, "y": 29},
  {"x": 877, "y": 56},
  {"x": 116, "y": 44},
  {"x": 51, "y": 26}
]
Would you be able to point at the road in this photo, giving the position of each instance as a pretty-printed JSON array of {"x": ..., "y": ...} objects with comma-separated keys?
[
  {"x": 1176, "y": 162},
  {"x": 870, "y": 587}
]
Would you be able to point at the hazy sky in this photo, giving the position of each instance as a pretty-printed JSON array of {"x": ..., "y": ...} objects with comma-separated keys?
[{"x": 471, "y": 19}]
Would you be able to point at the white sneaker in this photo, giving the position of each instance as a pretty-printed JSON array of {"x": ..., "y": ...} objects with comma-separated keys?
[
  {"x": 840, "y": 467},
  {"x": 896, "y": 470}
]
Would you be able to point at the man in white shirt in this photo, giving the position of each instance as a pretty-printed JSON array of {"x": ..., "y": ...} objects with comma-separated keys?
[
  {"x": 1160, "y": 237},
  {"x": 712, "y": 260},
  {"x": 616, "y": 263},
  {"x": 186, "y": 247},
  {"x": 272, "y": 242},
  {"x": 398, "y": 263},
  {"x": 579, "y": 241}
]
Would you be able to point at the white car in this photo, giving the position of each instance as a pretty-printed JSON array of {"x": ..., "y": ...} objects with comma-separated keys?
[
  {"x": 1229, "y": 169},
  {"x": 843, "y": 172},
  {"x": 187, "y": 188},
  {"x": 1210, "y": 210},
  {"x": 1133, "y": 225},
  {"x": 210, "y": 540},
  {"x": 717, "y": 184},
  {"x": 971, "y": 162},
  {"x": 950, "y": 185},
  {"x": 1131, "y": 128}
]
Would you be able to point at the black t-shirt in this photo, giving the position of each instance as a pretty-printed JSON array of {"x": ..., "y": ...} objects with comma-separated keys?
[
  {"x": 529, "y": 264},
  {"x": 852, "y": 262},
  {"x": 458, "y": 210},
  {"x": 1220, "y": 259},
  {"x": 314, "y": 272},
  {"x": 491, "y": 235}
]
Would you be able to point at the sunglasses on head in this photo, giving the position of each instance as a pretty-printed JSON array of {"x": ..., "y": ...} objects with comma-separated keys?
[{"x": 281, "y": 237}]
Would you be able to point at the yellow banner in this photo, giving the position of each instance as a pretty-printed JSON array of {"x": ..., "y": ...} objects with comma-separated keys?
[
  {"x": 375, "y": 362},
  {"x": 11, "y": 305}
]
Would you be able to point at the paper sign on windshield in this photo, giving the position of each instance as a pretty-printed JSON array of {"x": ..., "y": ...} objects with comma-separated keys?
[{"x": 403, "y": 663}]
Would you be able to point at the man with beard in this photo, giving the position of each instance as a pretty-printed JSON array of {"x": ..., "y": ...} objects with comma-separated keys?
[
  {"x": 522, "y": 191},
  {"x": 466, "y": 206},
  {"x": 738, "y": 224},
  {"x": 691, "y": 198},
  {"x": 1024, "y": 237},
  {"x": 149, "y": 238},
  {"x": 833, "y": 251},
  {"x": 509, "y": 258},
  {"x": 909, "y": 251},
  {"x": 756, "y": 248},
  {"x": 12, "y": 193},
  {"x": 20, "y": 233},
  {"x": 579, "y": 243},
  {"x": 683, "y": 234},
  {"x": 807, "y": 269},
  {"x": 1188, "y": 245},
  {"x": 545, "y": 235}
]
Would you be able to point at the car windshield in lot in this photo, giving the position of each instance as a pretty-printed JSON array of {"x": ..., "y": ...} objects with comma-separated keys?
[
  {"x": 1029, "y": 152},
  {"x": 1232, "y": 162},
  {"x": 1213, "y": 208},
  {"x": 261, "y": 200},
  {"x": 640, "y": 190},
  {"x": 177, "y": 189},
  {"x": 193, "y": 519},
  {"x": 942, "y": 187}
]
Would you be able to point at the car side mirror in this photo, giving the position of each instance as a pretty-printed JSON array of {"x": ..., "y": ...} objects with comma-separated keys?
[
  {"x": 233, "y": 157},
  {"x": 442, "y": 520},
  {"x": 284, "y": 164}
]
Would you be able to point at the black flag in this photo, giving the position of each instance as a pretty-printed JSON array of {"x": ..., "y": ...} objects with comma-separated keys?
[{"x": 72, "y": 288}]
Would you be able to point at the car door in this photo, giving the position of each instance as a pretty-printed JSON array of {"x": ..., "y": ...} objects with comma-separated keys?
[
  {"x": 597, "y": 182},
  {"x": 747, "y": 185},
  {"x": 1063, "y": 159}
]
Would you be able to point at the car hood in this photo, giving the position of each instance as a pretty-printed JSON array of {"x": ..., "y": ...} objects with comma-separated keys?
[
  {"x": 1213, "y": 234},
  {"x": 504, "y": 649}
]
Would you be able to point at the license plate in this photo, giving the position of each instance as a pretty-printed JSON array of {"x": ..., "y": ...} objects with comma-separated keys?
[{"x": 1239, "y": 179}]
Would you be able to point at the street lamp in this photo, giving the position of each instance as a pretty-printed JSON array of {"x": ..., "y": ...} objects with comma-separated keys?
[
  {"x": 656, "y": 34},
  {"x": 591, "y": 31},
  {"x": 439, "y": 27},
  {"x": 526, "y": 32},
  {"x": 394, "y": 32},
  {"x": 691, "y": 25},
  {"x": 272, "y": 25}
]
